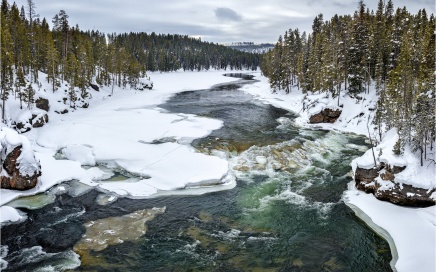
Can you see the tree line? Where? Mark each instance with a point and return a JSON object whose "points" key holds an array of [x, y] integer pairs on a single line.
{"points": [[392, 49], [168, 52], [66, 53]]}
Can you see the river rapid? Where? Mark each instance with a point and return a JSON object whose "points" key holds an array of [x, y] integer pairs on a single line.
{"points": [[285, 214]]}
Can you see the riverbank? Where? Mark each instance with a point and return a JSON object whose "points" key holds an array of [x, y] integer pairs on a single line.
{"points": [[413, 230], [140, 134]]}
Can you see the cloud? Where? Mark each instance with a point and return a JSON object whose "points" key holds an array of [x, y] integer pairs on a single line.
{"points": [[262, 22], [227, 14]]}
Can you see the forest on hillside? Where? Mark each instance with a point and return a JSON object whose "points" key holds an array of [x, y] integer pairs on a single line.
{"points": [[66, 53], [391, 49]]}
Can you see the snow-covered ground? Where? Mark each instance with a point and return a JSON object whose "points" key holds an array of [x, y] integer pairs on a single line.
{"points": [[410, 231], [118, 132]]}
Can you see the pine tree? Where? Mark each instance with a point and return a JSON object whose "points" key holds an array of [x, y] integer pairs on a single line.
{"points": [[29, 95]]}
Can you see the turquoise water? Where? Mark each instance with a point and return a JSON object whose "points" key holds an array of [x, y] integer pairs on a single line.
{"points": [[283, 215]]}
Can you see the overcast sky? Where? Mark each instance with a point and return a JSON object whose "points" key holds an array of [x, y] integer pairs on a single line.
{"points": [[215, 21]]}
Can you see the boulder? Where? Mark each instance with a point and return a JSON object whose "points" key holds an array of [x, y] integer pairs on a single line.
{"points": [[62, 111], [39, 121], [94, 86], [42, 103], [316, 118], [368, 180], [325, 116], [14, 179]]}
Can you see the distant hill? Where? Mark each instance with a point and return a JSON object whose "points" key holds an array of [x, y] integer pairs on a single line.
{"points": [[251, 47]]}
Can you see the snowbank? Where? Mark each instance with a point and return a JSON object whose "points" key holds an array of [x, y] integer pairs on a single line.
{"points": [[414, 174], [412, 230], [9, 215], [126, 130]]}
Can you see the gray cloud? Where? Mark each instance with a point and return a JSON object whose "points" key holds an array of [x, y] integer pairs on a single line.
{"points": [[227, 14], [262, 21]]}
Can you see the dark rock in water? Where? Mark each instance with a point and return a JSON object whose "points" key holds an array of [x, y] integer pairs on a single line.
{"points": [[39, 121], [42, 103], [325, 116], [62, 236], [15, 180], [400, 194], [94, 86]]}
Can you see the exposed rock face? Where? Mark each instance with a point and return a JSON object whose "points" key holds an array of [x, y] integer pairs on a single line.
{"points": [[16, 180], [62, 112], [37, 120], [368, 180], [94, 86], [325, 116], [42, 103]]}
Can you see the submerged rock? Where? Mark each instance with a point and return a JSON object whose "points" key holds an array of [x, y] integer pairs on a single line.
{"points": [[380, 181], [115, 230]]}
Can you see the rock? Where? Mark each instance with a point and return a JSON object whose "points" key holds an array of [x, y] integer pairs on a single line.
{"points": [[62, 236], [23, 127], [259, 167], [406, 195], [62, 112], [94, 86], [400, 194], [42, 103], [15, 180], [242, 168], [39, 121], [325, 116], [316, 118]]}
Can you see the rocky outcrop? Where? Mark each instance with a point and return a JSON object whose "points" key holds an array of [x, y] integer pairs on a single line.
{"points": [[325, 116], [42, 103], [39, 120], [380, 181], [94, 86], [62, 111], [36, 120], [14, 179]]}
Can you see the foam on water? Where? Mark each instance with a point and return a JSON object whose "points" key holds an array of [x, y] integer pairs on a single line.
{"points": [[36, 259], [3, 254], [294, 166]]}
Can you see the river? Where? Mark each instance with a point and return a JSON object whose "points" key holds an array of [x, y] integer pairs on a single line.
{"points": [[285, 214]]}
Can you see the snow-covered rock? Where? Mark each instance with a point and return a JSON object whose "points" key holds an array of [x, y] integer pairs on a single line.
{"points": [[396, 178], [20, 170]]}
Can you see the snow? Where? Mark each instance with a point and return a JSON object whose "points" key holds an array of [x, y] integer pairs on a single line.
{"points": [[10, 139], [413, 230], [120, 131], [410, 231], [9, 214], [414, 174]]}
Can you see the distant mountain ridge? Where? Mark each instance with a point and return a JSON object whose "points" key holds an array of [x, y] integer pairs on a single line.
{"points": [[250, 47]]}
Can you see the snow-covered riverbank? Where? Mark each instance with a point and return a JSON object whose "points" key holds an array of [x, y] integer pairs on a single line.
{"points": [[126, 132], [413, 230]]}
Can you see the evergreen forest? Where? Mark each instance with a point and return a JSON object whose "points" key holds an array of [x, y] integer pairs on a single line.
{"points": [[390, 50], [66, 53]]}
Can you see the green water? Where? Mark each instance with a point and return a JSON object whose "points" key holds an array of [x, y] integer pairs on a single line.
{"points": [[284, 215]]}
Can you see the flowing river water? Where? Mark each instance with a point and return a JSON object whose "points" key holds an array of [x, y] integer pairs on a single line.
{"points": [[285, 214]]}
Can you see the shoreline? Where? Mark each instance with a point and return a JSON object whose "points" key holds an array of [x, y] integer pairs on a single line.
{"points": [[376, 228], [384, 218]]}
